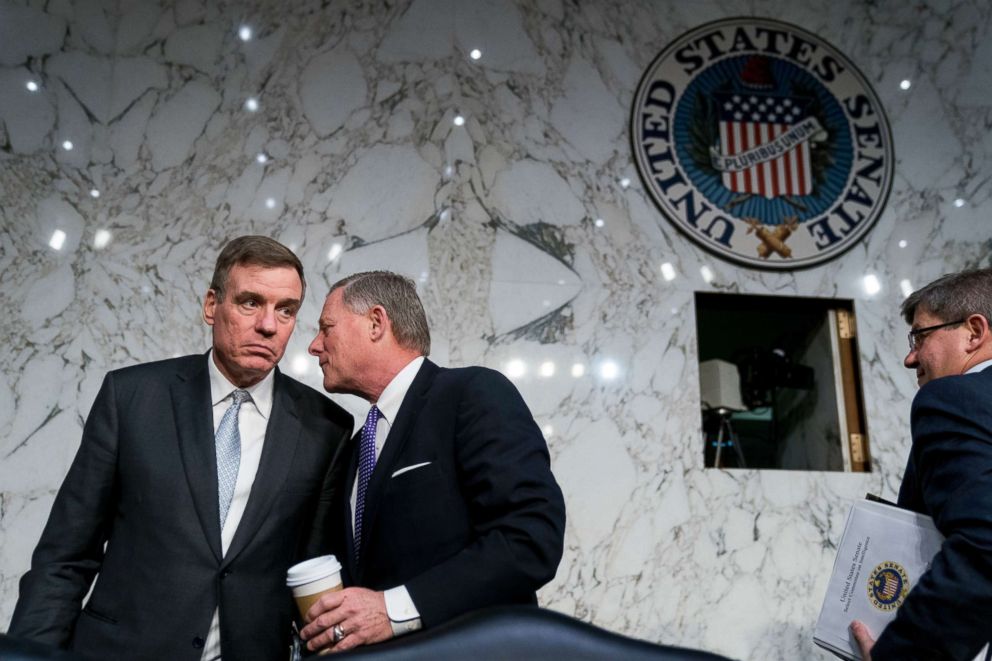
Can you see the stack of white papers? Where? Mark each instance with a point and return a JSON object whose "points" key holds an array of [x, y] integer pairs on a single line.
{"points": [[882, 554]]}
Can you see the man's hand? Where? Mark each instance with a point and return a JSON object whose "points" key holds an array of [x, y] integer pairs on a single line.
{"points": [[360, 613], [863, 638]]}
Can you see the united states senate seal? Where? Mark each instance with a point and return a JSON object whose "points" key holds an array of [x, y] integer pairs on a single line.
{"points": [[888, 586], [763, 143]]}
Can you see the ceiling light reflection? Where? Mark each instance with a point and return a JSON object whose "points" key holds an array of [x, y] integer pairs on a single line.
{"points": [[270, 202], [609, 370], [67, 145], [547, 369], [547, 430], [903, 243], [907, 287], [57, 240], [515, 368], [959, 202], [624, 182], [707, 273], [668, 271], [251, 104], [905, 84], [335, 252], [578, 370], [301, 364], [459, 120], [94, 193], [599, 222], [244, 33], [871, 284], [32, 86], [262, 158], [475, 54], [101, 239]]}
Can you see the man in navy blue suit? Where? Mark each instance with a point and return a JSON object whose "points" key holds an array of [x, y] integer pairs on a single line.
{"points": [[948, 614], [446, 502]]}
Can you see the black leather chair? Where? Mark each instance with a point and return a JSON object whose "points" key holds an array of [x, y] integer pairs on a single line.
{"points": [[513, 633], [522, 633]]}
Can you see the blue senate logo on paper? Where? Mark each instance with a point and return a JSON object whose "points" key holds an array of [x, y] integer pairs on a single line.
{"points": [[762, 143]]}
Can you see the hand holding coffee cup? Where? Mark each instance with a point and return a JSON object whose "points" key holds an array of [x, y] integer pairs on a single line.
{"points": [[311, 579]]}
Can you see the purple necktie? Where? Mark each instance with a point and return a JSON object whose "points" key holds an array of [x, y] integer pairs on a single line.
{"points": [[366, 462]]}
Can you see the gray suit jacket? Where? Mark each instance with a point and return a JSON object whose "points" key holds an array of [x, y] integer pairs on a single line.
{"points": [[144, 483]]}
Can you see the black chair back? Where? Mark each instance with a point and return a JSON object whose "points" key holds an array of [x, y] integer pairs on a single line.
{"points": [[522, 633]]}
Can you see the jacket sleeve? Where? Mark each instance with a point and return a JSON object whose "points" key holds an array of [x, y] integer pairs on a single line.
{"points": [[517, 508], [70, 551], [947, 615], [323, 537]]}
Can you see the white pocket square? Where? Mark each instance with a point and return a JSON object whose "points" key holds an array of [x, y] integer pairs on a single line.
{"points": [[407, 469]]}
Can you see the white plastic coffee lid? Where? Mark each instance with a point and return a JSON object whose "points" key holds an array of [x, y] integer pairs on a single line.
{"points": [[312, 570]]}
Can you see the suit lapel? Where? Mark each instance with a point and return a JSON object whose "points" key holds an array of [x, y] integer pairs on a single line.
{"points": [[282, 433], [399, 434], [350, 456], [194, 426]]}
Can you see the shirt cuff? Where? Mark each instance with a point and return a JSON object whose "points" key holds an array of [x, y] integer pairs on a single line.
{"points": [[403, 615]]}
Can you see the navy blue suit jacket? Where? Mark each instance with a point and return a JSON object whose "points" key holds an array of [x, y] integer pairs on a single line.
{"points": [[144, 482], [948, 614], [482, 523]]}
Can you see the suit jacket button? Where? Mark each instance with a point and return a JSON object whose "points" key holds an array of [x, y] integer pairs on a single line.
{"points": [[225, 573], [198, 643]]}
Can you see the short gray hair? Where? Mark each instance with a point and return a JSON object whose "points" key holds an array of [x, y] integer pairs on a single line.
{"points": [[953, 296], [398, 295]]}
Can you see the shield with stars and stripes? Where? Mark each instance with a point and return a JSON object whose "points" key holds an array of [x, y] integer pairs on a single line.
{"points": [[764, 149]]}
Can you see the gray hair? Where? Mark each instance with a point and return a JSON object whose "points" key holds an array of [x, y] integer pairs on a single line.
{"points": [[953, 296], [398, 295]]}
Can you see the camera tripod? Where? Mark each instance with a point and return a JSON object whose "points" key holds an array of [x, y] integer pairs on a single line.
{"points": [[727, 436]]}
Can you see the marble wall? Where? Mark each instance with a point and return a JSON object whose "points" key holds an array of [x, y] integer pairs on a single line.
{"points": [[332, 127]]}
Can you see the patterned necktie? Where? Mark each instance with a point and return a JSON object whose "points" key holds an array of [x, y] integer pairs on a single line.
{"points": [[366, 462], [228, 446]]}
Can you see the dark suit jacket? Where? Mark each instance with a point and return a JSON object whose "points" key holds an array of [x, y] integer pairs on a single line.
{"points": [[482, 524], [145, 483], [948, 614]]}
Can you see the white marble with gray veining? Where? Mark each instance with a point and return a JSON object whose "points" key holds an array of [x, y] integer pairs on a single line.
{"points": [[531, 255]]}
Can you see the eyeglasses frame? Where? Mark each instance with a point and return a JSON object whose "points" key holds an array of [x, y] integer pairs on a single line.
{"points": [[916, 336]]}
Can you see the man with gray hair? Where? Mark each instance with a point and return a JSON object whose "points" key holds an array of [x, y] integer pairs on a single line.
{"points": [[446, 502], [948, 614]]}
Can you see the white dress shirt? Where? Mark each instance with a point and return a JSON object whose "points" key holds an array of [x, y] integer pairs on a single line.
{"points": [[253, 418], [403, 614], [979, 367]]}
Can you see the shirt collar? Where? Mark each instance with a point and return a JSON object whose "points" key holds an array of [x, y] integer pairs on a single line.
{"points": [[392, 396], [980, 366], [221, 388]]}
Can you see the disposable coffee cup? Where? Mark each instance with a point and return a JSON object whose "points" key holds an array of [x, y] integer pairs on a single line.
{"points": [[312, 578]]}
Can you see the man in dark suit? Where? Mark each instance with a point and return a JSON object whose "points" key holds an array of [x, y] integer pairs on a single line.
{"points": [[448, 503], [948, 613], [193, 490]]}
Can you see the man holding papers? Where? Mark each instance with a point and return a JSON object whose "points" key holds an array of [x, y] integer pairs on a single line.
{"points": [[948, 614]]}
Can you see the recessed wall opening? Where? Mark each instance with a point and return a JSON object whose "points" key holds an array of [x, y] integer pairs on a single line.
{"points": [[780, 384]]}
